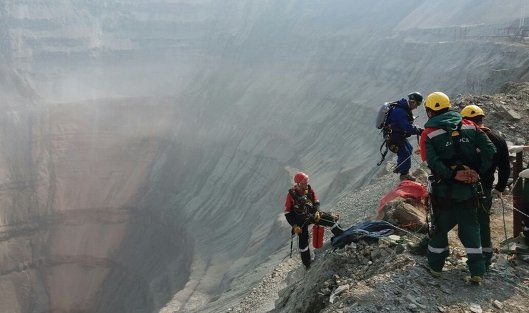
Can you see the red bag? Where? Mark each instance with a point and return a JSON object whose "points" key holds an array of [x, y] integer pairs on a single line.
{"points": [[317, 236], [406, 189]]}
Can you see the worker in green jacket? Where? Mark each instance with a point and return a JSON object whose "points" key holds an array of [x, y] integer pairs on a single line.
{"points": [[501, 162], [450, 146]]}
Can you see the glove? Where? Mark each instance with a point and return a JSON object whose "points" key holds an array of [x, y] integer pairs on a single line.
{"points": [[317, 217], [296, 229], [467, 176], [419, 130], [497, 193], [516, 149]]}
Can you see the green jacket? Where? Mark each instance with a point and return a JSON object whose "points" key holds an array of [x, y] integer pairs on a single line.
{"points": [[445, 150]]}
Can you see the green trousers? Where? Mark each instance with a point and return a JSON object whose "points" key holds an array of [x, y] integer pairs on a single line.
{"points": [[484, 227], [468, 232]]}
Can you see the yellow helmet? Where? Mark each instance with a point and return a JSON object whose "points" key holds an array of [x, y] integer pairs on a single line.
{"points": [[472, 111], [437, 101]]}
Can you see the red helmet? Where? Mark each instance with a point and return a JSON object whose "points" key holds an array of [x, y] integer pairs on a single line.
{"points": [[301, 177]]}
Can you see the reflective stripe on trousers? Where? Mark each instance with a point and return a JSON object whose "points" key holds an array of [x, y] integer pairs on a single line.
{"points": [[468, 232], [437, 250], [474, 250]]}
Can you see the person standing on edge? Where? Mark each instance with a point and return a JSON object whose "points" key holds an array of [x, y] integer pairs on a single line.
{"points": [[450, 146], [500, 162], [400, 122], [301, 209]]}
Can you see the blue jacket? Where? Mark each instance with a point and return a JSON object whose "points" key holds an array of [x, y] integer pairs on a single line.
{"points": [[400, 119]]}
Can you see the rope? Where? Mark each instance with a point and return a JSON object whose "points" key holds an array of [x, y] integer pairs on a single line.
{"points": [[397, 165], [514, 185], [411, 155], [406, 159], [503, 213], [504, 272], [522, 213], [402, 229]]}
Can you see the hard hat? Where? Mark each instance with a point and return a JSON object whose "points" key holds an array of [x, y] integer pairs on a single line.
{"points": [[415, 96], [437, 101], [301, 177], [472, 111]]}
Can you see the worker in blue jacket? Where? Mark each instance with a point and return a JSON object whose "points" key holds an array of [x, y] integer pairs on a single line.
{"points": [[400, 121]]}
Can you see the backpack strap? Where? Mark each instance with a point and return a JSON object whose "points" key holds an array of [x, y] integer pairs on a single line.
{"points": [[392, 105], [383, 154]]}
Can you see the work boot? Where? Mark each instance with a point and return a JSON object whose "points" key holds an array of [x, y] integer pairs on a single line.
{"points": [[306, 259], [407, 177], [420, 248], [488, 263], [475, 279], [434, 273]]}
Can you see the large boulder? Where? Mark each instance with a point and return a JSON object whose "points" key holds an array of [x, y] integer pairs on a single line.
{"points": [[406, 213]]}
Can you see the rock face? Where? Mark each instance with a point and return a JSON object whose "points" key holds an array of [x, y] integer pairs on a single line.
{"points": [[71, 219], [147, 147]]}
